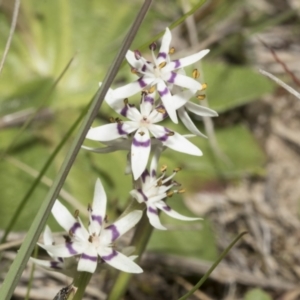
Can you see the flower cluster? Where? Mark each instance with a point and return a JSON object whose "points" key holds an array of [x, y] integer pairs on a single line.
{"points": [[166, 92]]}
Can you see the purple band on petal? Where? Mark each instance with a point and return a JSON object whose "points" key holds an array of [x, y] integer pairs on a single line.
{"points": [[75, 227], [167, 208], [149, 99], [144, 175], [176, 63], [143, 195], [98, 219], [89, 257], [60, 259], [145, 144], [164, 137], [164, 92], [172, 78], [165, 114], [124, 111], [144, 67], [152, 210], [162, 54], [120, 129], [114, 231], [141, 82], [71, 249], [110, 256], [153, 173], [55, 265]]}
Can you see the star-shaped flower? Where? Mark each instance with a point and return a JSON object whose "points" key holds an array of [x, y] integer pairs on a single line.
{"points": [[154, 191], [142, 123], [98, 240], [162, 72], [66, 266]]}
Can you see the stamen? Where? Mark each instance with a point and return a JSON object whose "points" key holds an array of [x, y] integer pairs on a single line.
{"points": [[134, 71], [177, 170], [161, 110], [170, 194], [163, 168], [90, 207], [152, 89], [126, 101], [196, 74], [76, 213], [141, 133], [171, 133], [118, 120], [200, 97], [181, 191], [159, 182], [162, 64], [112, 120], [172, 50], [204, 87], [137, 54], [90, 239], [106, 219], [152, 46], [71, 233]]}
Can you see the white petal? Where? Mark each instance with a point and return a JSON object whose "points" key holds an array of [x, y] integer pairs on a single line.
{"points": [[48, 239], [167, 100], [176, 141], [65, 219], [132, 88], [53, 265], [165, 46], [140, 150], [135, 63], [200, 110], [153, 217], [120, 227], [186, 61], [138, 195], [110, 132], [186, 120], [147, 104], [182, 98], [88, 260], [65, 250], [98, 208], [182, 80], [172, 213], [119, 260]]}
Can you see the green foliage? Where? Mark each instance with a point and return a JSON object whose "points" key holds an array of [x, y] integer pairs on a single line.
{"points": [[257, 294]]}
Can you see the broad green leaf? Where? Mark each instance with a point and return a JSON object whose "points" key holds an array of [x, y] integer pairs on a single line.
{"points": [[257, 294], [231, 86]]}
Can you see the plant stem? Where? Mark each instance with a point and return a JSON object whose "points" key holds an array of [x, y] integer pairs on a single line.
{"points": [[139, 241], [39, 222], [81, 281]]}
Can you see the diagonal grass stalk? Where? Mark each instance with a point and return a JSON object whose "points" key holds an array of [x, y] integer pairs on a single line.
{"points": [[39, 222]]}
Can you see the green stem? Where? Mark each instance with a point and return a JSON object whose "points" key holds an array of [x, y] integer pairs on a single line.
{"points": [[139, 241], [81, 281], [17, 267]]}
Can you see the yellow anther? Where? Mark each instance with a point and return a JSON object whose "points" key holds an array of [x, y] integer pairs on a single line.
{"points": [[162, 64], [126, 101], [177, 170], [170, 193], [71, 234], [204, 87], [118, 120], [152, 89], [171, 133], [200, 97], [181, 191], [172, 50], [76, 213], [161, 110], [163, 168], [159, 182], [134, 71], [112, 120], [196, 74], [141, 133]]}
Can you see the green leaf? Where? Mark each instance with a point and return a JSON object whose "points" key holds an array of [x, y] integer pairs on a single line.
{"points": [[257, 294], [231, 86]]}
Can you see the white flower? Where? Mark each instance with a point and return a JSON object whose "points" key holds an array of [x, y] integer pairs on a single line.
{"points": [[98, 240], [199, 110], [162, 72], [142, 123], [66, 266], [153, 192]]}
